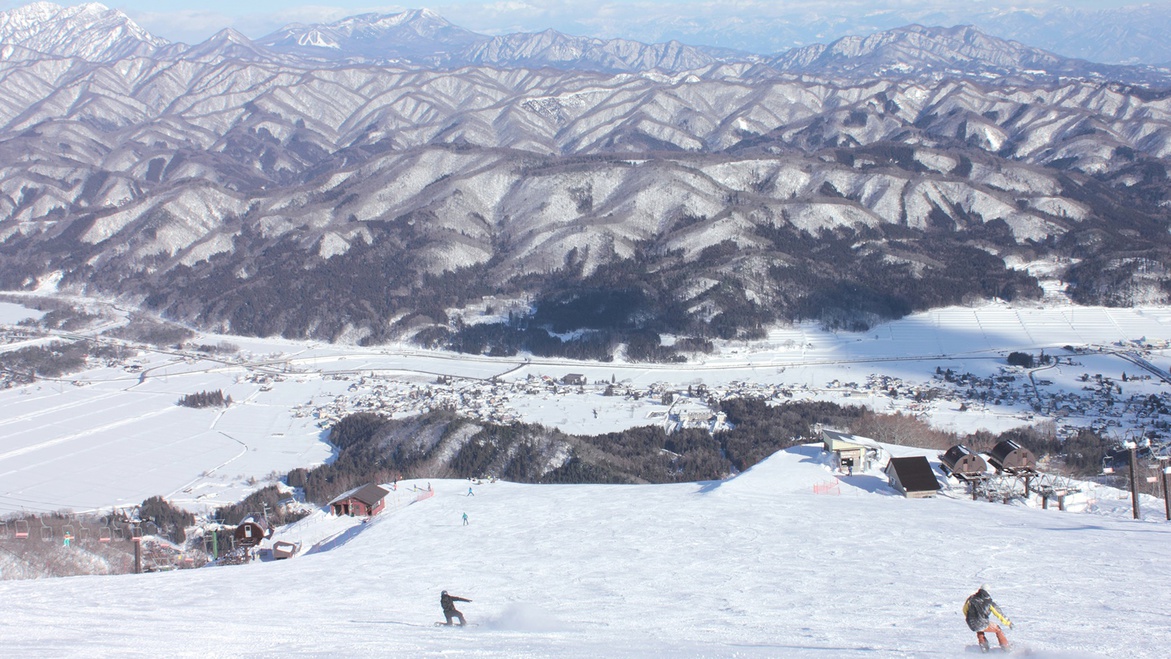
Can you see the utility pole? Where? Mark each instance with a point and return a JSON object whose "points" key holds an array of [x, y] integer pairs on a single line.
{"points": [[1133, 447], [215, 538]]}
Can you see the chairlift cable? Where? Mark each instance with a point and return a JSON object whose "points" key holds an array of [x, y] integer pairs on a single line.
{"points": [[59, 506]]}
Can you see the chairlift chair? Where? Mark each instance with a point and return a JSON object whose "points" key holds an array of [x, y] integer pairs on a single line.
{"points": [[105, 533], [5, 531], [46, 531], [119, 532], [84, 536], [68, 533], [21, 529]]}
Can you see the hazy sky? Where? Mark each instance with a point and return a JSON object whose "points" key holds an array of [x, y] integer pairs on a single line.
{"points": [[695, 21]]}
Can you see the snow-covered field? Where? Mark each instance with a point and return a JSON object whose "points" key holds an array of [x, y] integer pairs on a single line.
{"points": [[11, 314], [113, 435], [757, 566]]}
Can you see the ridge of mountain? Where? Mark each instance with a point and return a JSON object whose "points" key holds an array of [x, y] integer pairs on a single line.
{"points": [[90, 31], [960, 51], [418, 35], [422, 38]]}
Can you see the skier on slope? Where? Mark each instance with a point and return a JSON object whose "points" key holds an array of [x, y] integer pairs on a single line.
{"points": [[449, 610], [978, 611]]}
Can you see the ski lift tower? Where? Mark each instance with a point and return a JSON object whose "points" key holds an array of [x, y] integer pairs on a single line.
{"points": [[1164, 468], [1132, 447]]}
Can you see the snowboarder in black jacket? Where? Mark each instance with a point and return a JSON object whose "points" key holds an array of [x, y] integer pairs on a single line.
{"points": [[978, 611], [449, 610]]}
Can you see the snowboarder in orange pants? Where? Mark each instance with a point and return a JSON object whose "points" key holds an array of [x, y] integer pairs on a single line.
{"points": [[978, 611]]}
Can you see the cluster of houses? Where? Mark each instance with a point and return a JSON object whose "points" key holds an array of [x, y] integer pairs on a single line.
{"points": [[477, 399], [1104, 402], [489, 400], [1099, 406]]}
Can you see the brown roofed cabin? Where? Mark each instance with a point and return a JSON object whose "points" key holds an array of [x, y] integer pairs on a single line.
{"points": [[1012, 458], [251, 531], [959, 461], [912, 476], [574, 379], [365, 501]]}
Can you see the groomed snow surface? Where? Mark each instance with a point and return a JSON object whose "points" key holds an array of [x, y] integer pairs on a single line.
{"points": [[756, 566]]}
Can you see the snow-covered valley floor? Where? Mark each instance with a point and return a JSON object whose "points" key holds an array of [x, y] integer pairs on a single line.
{"points": [[112, 434], [756, 566]]}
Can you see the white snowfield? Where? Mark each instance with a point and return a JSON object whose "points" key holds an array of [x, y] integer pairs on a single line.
{"points": [[757, 566]]}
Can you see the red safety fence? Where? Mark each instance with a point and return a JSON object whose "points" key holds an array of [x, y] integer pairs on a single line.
{"points": [[830, 487], [422, 496]]}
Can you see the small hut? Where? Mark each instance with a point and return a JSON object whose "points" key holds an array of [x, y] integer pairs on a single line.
{"points": [[849, 451], [364, 501], [577, 379], [912, 476], [284, 549], [1010, 458], [252, 531], [961, 463]]}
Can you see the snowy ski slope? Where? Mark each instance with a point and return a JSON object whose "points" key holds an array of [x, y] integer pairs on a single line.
{"points": [[758, 566]]}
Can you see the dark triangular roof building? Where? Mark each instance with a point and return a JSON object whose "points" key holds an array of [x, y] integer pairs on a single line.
{"points": [[912, 476]]}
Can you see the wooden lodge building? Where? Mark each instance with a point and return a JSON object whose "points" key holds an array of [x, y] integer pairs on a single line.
{"points": [[912, 476], [364, 501]]}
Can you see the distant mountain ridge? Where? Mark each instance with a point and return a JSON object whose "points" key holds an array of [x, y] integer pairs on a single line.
{"points": [[90, 31], [419, 35], [960, 51], [424, 38]]}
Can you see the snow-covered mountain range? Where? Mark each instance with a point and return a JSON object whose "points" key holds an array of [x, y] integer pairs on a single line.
{"points": [[248, 185], [953, 52], [421, 37], [1116, 33]]}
